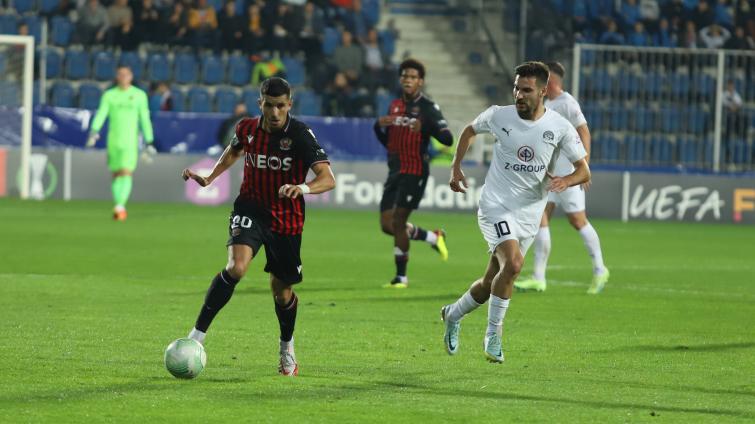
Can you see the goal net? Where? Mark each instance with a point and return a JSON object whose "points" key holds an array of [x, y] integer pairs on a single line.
{"points": [[16, 75]]}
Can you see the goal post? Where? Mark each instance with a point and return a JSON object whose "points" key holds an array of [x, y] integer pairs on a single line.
{"points": [[16, 82]]}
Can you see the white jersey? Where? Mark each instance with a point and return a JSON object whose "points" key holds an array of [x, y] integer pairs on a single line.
{"points": [[523, 151], [568, 107]]}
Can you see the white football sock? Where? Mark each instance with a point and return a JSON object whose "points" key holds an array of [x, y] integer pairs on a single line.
{"points": [[431, 238], [287, 346], [461, 307], [197, 335], [542, 251], [496, 312], [592, 244]]}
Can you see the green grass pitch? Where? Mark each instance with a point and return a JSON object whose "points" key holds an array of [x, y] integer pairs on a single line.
{"points": [[88, 306]]}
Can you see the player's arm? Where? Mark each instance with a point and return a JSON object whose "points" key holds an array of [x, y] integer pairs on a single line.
{"points": [[458, 180], [580, 175], [584, 135], [324, 181], [144, 119], [99, 120], [381, 132], [230, 155], [438, 127]]}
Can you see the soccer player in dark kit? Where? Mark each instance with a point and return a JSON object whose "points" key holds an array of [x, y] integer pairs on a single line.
{"points": [[278, 151], [405, 132]]}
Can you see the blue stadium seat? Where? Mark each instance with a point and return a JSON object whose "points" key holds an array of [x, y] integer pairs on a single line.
{"points": [[387, 42], [213, 70], [635, 149], [133, 61], [35, 27], [199, 100], [670, 120], [704, 85], [186, 68], [601, 82], [680, 85], [740, 151], [158, 67], [61, 31], [8, 24], [588, 58], [10, 93], [77, 64], [250, 97], [639, 118], [239, 70], [661, 149], [294, 71], [331, 40], [629, 84], [371, 12], [89, 96], [687, 149], [225, 99], [594, 117], [154, 102], [23, 6], [654, 84], [104, 66], [611, 147], [618, 118], [179, 99], [62, 94], [53, 63], [3, 63], [47, 6], [308, 103]]}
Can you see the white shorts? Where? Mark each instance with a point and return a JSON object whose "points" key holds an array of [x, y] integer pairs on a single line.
{"points": [[499, 225], [571, 200]]}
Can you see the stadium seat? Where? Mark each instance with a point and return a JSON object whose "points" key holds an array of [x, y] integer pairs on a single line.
{"points": [[179, 99], [133, 61], [77, 64], [239, 70], [213, 70], [331, 40], [661, 149], [638, 118], [8, 24], [680, 85], [24, 6], [687, 149], [53, 63], [740, 151], [62, 29], [629, 84], [387, 42], [670, 120], [62, 94], [612, 146], [89, 96], [154, 102], [225, 99], [47, 6], [104, 66], [371, 12], [294, 71], [654, 84], [10, 94], [34, 23], [618, 118], [601, 82], [186, 68], [158, 67], [199, 100], [250, 97], [704, 85], [308, 103], [635, 146]]}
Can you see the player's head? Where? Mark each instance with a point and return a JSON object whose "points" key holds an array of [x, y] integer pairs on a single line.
{"points": [[411, 76], [124, 76], [530, 86], [556, 77], [275, 102]]}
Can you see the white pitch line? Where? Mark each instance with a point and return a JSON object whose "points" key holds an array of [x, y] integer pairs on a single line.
{"points": [[645, 288]]}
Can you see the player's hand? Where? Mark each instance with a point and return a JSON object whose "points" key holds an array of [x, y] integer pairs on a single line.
{"points": [[557, 184], [149, 153], [202, 181], [289, 190], [415, 125], [385, 121], [458, 180], [92, 139]]}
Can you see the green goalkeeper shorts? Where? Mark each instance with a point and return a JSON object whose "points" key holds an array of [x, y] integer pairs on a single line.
{"points": [[122, 158]]}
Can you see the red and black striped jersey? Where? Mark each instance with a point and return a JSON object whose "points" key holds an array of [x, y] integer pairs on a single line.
{"points": [[407, 149], [272, 160]]}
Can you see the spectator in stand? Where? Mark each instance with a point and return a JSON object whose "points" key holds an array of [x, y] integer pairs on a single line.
{"points": [[377, 68], [745, 17], [348, 58], [740, 41], [121, 18], [125, 37], [176, 23], [674, 10], [147, 22], [689, 36], [338, 99], [203, 22], [579, 14], [354, 21], [63, 8], [92, 23], [638, 37], [650, 12], [310, 36], [228, 126], [714, 36], [664, 37], [231, 28], [630, 14], [162, 92], [703, 15], [734, 126], [255, 31], [611, 35], [724, 14]]}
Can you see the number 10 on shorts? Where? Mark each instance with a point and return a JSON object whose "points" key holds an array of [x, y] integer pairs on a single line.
{"points": [[502, 228]]}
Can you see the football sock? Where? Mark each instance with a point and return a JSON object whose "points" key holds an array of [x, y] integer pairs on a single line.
{"points": [[496, 312], [401, 258], [592, 244], [464, 305], [419, 233], [121, 188], [287, 318], [431, 237], [542, 251], [218, 295], [197, 335], [287, 346]]}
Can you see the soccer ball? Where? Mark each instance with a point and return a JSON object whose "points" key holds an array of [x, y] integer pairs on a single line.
{"points": [[185, 358]]}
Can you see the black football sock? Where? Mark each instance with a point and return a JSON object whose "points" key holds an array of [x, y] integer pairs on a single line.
{"points": [[418, 234], [401, 261], [287, 318], [218, 295]]}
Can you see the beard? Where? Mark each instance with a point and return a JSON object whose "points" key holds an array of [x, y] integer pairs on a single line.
{"points": [[524, 113]]}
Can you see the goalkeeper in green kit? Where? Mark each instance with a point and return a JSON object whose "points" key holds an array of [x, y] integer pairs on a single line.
{"points": [[125, 106]]}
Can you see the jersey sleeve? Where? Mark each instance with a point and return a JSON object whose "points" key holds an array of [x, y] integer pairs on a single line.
{"points": [[482, 124], [144, 119], [311, 150], [575, 115], [240, 132], [102, 112], [437, 126], [571, 146]]}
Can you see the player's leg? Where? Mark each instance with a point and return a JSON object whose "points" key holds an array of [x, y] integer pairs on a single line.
{"points": [[400, 246], [590, 238], [222, 287], [121, 163], [542, 252], [510, 255], [410, 195]]}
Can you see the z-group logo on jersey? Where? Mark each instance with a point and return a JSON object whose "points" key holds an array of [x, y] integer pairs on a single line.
{"points": [[525, 153], [548, 136]]}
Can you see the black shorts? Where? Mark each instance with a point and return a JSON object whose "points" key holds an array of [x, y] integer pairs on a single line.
{"points": [[403, 191], [281, 251]]}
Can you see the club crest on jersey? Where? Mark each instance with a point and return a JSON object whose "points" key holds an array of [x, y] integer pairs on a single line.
{"points": [[525, 153], [286, 143], [548, 136], [249, 139], [415, 110]]}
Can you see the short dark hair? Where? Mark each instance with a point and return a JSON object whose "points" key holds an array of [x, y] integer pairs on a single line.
{"points": [[534, 69], [556, 68], [412, 64], [274, 87]]}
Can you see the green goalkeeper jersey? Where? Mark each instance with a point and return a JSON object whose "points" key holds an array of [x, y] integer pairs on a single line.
{"points": [[124, 109]]}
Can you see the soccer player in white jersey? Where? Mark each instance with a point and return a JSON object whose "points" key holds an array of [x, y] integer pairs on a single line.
{"points": [[529, 139], [571, 200]]}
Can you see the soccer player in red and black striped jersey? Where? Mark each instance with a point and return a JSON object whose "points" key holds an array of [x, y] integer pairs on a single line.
{"points": [[278, 152], [405, 132]]}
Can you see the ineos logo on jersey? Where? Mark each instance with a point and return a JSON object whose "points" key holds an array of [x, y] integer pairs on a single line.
{"points": [[525, 153], [404, 121], [268, 162]]}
